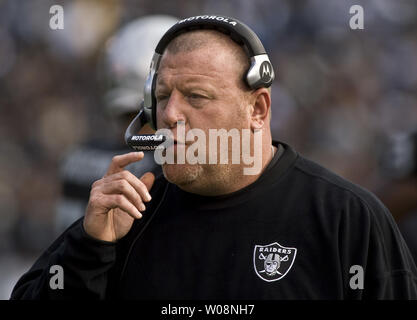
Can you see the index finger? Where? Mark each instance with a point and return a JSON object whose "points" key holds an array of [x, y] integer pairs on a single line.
{"points": [[119, 162]]}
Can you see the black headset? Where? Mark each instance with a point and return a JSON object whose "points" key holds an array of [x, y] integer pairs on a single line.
{"points": [[260, 73]]}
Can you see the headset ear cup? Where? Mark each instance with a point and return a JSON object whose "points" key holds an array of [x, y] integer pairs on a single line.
{"points": [[260, 73]]}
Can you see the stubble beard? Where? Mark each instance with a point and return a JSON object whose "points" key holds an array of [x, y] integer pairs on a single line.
{"points": [[207, 180], [182, 174]]}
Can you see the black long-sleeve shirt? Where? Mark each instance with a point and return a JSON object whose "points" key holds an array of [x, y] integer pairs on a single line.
{"points": [[295, 233]]}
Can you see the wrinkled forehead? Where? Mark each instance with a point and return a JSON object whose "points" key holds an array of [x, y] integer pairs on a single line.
{"points": [[197, 61], [205, 52]]}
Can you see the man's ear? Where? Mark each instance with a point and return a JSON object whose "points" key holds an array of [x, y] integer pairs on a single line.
{"points": [[261, 99]]}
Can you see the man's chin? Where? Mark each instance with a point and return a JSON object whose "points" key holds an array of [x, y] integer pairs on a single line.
{"points": [[182, 174]]}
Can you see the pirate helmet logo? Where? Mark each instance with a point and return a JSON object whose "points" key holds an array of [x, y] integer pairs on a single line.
{"points": [[273, 261]]}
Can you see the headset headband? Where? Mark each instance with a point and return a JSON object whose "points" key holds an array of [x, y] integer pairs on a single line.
{"points": [[237, 30]]}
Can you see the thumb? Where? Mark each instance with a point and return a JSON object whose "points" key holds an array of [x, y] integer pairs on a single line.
{"points": [[148, 179]]}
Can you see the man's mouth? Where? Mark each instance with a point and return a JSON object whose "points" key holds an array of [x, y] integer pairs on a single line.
{"points": [[176, 144]]}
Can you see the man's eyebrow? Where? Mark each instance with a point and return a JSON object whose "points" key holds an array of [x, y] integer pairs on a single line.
{"points": [[160, 85], [160, 81]]}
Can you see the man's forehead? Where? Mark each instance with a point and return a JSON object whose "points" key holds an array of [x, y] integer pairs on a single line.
{"points": [[200, 63], [206, 51]]}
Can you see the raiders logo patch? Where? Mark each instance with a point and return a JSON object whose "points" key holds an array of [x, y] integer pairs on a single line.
{"points": [[273, 261]]}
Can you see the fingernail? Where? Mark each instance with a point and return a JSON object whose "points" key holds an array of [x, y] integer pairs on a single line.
{"points": [[148, 197], [142, 207]]}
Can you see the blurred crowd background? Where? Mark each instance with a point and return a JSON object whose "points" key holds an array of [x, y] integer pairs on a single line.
{"points": [[341, 97]]}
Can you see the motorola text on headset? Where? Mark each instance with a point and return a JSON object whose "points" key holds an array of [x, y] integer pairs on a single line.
{"points": [[260, 73]]}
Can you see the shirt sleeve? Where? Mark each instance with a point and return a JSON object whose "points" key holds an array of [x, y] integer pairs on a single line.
{"points": [[370, 238], [85, 262]]}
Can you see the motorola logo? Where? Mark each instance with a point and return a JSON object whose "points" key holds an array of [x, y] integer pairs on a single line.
{"points": [[265, 71]]}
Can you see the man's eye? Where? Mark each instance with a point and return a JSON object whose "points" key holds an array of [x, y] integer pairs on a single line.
{"points": [[161, 97], [196, 96]]}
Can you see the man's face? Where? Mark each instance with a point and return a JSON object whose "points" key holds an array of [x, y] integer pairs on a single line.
{"points": [[202, 88], [271, 266]]}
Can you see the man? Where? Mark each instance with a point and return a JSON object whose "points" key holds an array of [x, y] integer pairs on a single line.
{"points": [[206, 231]]}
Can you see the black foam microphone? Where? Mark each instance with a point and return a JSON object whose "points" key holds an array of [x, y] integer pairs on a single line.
{"points": [[141, 142]]}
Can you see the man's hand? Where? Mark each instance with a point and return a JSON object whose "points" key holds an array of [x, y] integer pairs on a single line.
{"points": [[117, 199]]}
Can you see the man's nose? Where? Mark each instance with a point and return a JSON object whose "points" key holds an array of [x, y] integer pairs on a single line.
{"points": [[173, 111]]}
